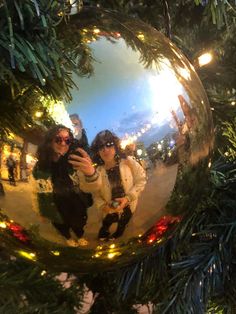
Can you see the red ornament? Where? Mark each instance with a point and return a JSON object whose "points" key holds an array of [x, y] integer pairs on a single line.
{"points": [[163, 224], [18, 232], [15, 227]]}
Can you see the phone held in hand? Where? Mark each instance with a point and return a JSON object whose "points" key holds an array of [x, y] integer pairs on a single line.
{"points": [[73, 148], [114, 204]]}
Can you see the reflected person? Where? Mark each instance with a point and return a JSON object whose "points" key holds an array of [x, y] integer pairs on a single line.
{"points": [[79, 131], [11, 167], [59, 199], [122, 179]]}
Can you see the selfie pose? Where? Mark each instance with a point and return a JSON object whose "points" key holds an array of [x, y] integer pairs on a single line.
{"points": [[59, 197]]}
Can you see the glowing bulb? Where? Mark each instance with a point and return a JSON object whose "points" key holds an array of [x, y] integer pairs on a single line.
{"points": [[96, 31], [43, 272], [56, 253], [112, 246], [204, 59], [139, 152], [11, 135], [28, 255], [38, 114], [141, 36], [111, 255], [3, 225], [233, 103]]}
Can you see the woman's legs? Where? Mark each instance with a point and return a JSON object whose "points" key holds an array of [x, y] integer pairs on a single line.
{"points": [[106, 223], [63, 229], [122, 223]]}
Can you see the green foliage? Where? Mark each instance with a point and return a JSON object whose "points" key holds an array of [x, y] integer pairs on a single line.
{"points": [[29, 45], [229, 131], [25, 290], [33, 60], [192, 272]]}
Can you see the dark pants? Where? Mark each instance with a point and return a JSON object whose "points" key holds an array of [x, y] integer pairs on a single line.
{"points": [[122, 220], [64, 230], [73, 213], [11, 175]]}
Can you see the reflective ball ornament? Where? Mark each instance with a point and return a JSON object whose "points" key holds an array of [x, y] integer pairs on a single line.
{"points": [[140, 90]]}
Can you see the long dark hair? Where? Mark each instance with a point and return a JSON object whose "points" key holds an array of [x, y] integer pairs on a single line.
{"points": [[102, 138], [45, 151]]}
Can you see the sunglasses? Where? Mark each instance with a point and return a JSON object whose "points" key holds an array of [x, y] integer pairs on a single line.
{"points": [[107, 145], [59, 140]]}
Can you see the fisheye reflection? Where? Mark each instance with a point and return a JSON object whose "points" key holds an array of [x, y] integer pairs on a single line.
{"points": [[106, 166]]}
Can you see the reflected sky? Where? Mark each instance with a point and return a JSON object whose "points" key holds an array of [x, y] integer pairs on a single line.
{"points": [[125, 97]]}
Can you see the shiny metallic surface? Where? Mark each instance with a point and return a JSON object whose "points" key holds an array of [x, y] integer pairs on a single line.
{"points": [[140, 87]]}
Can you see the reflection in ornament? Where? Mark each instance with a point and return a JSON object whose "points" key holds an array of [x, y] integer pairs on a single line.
{"points": [[133, 82]]}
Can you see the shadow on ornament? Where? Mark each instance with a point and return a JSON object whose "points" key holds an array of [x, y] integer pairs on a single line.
{"points": [[133, 82]]}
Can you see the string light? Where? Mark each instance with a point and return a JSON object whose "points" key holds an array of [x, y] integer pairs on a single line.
{"points": [[97, 254], [96, 31], [3, 225], [31, 255], [56, 253], [141, 36], [38, 114], [204, 59]]}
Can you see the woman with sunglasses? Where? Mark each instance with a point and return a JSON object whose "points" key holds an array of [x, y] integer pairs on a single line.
{"points": [[121, 181], [59, 199]]}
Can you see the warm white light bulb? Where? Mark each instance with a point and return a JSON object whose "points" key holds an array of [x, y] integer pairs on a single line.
{"points": [[204, 59]]}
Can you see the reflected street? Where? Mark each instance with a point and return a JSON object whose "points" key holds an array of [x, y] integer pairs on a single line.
{"points": [[150, 208]]}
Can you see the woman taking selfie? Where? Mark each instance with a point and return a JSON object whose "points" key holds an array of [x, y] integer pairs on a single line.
{"points": [[60, 198]]}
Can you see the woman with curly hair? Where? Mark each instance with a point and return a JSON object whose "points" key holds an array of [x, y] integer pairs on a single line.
{"points": [[59, 197], [121, 179]]}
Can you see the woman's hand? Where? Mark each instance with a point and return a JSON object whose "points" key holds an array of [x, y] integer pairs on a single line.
{"points": [[123, 202], [108, 210], [82, 163]]}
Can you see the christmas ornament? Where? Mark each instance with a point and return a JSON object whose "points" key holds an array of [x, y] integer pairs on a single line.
{"points": [[142, 115]]}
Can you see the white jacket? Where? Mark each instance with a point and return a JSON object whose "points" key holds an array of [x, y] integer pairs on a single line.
{"points": [[133, 178]]}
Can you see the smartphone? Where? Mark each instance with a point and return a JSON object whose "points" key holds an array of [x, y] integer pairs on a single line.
{"points": [[73, 148], [114, 204]]}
